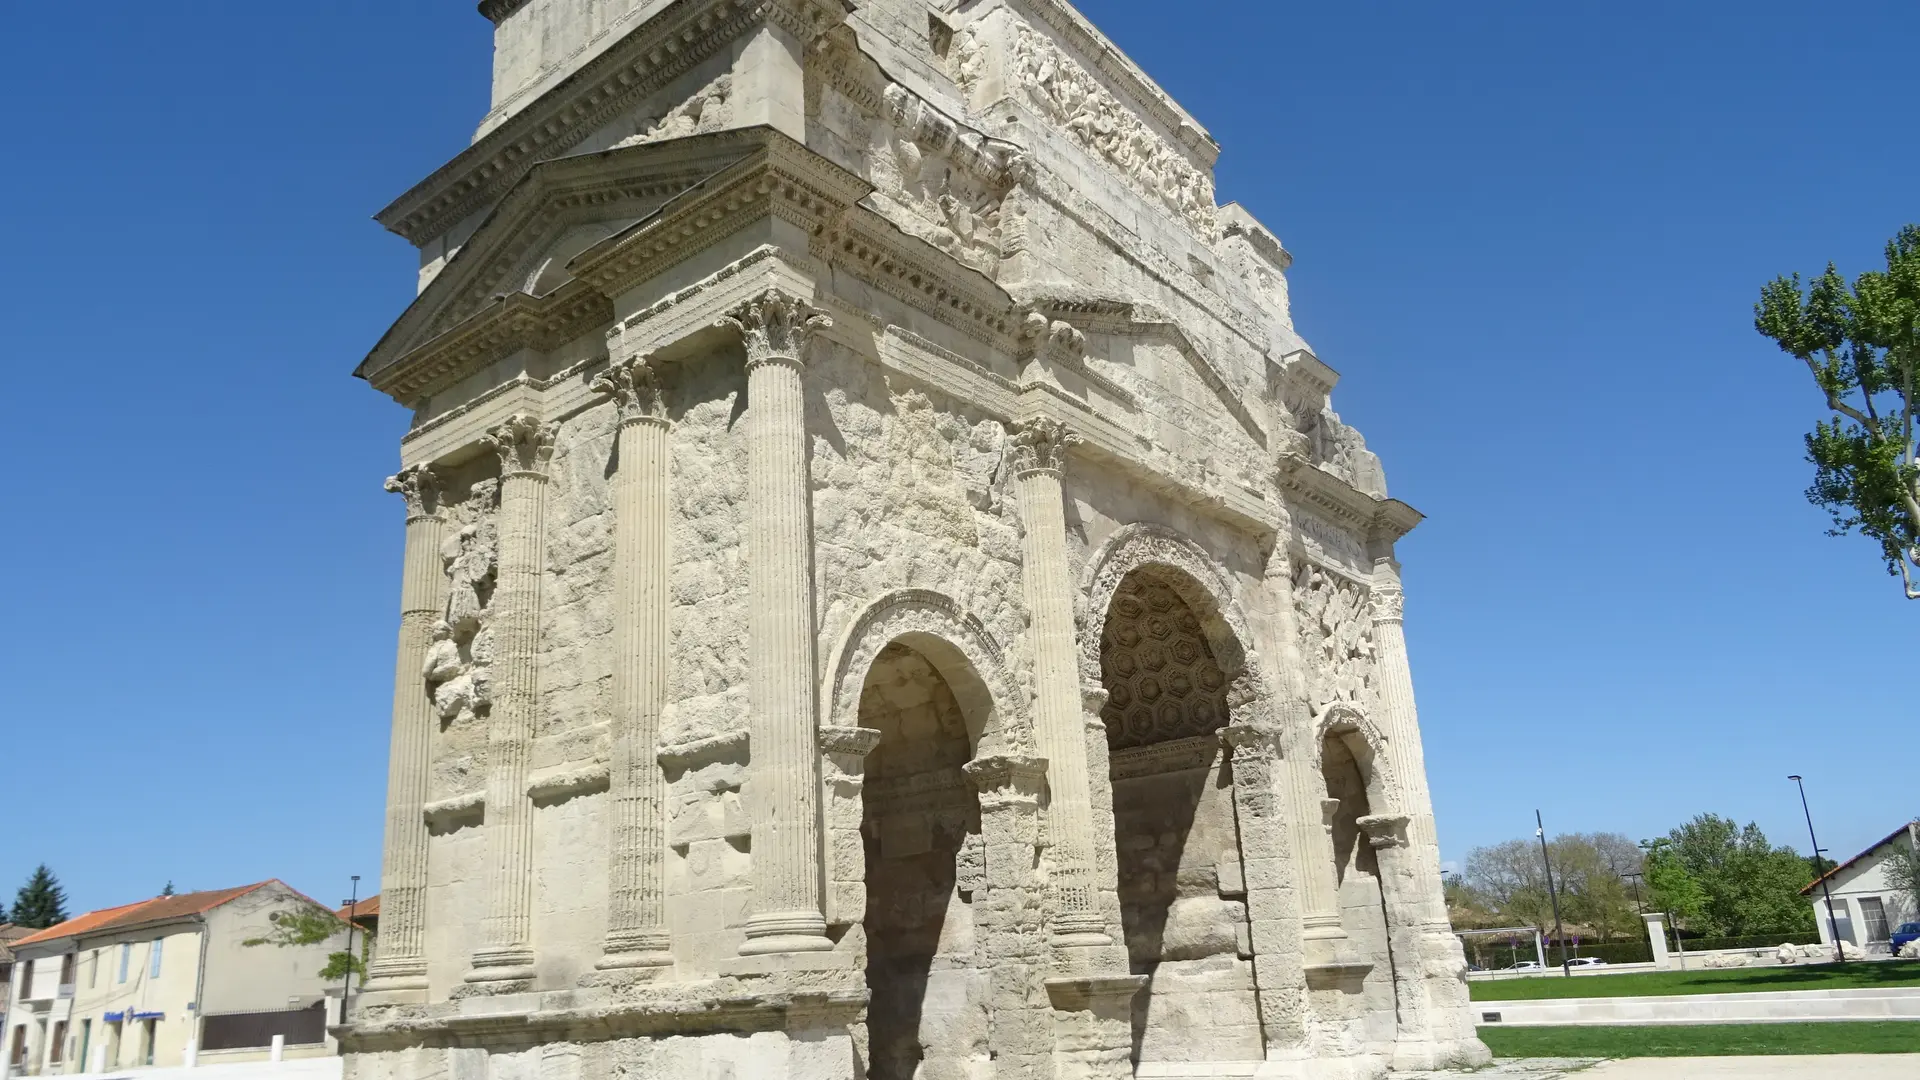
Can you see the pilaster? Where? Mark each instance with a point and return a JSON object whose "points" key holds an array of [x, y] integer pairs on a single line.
{"points": [[401, 967], [1304, 785], [1437, 952], [1039, 451], [504, 961], [1273, 902], [1009, 913], [776, 329], [637, 936]]}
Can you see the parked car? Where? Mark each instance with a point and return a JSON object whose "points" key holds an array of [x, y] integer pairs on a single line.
{"points": [[1586, 961], [1907, 932], [1526, 965]]}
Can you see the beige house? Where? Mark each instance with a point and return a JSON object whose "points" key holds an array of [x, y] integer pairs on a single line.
{"points": [[1867, 907], [168, 981]]}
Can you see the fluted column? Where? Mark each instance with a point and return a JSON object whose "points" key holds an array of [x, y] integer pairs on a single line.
{"points": [[402, 961], [1305, 787], [1039, 452], [1273, 901], [785, 778], [504, 960], [637, 842], [1446, 1022]]}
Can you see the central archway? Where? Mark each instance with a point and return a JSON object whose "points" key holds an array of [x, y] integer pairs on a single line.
{"points": [[1174, 669]]}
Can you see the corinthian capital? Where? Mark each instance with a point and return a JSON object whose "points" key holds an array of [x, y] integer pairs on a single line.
{"points": [[634, 386], [523, 443], [776, 327], [421, 489], [1040, 444], [1388, 601]]}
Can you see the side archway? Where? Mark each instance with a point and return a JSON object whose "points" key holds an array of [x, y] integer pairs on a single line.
{"points": [[917, 688], [954, 641], [1350, 725]]}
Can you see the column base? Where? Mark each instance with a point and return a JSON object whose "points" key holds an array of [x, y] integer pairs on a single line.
{"points": [[507, 970], [785, 932], [625, 950], [396, 976]]}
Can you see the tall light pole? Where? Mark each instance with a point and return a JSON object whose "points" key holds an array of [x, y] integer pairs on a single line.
{"points": [[1635, 878], [1540, 830], [353, 909], [1833, 921]]}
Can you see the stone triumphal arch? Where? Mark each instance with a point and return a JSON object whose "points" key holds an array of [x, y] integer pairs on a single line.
{"points": [[886, 592]]}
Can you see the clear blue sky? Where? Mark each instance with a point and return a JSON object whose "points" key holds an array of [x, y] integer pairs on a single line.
{"points": [[1529, 236]]}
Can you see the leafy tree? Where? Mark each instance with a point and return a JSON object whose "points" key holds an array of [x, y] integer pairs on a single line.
{"points": [[1588, 868], [311, 924], [1862, 345], [1903, 876], [307, 924], [41, 902], [1747, 886], [1673, 890]]}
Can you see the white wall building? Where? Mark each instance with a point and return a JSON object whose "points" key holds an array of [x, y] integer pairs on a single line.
{"points": [[1866, 905], [166, 982]]}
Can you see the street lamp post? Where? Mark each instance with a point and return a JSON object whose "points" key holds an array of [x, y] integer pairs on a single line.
{"points": [[1833, 921], [1540, 830], [353, 909], [1635, 878]]}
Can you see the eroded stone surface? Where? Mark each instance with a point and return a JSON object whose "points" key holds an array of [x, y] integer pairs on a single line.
{"points": [[984, 660]]}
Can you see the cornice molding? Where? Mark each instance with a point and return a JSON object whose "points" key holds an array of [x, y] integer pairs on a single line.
{"points": [[669, 44], [496, 11]]}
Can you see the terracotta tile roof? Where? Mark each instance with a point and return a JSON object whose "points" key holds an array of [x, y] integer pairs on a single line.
{"points": [[365, 909], [1888, 839], [159, 909]]}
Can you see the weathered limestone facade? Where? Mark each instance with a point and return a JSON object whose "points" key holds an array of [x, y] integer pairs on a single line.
{"points": [[886, 592]]}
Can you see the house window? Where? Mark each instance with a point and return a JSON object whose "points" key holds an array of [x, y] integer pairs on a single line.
{"points": [[56, 1049], [126, 958], [1842, 921], [93, 969], [153, 958], [69, 967], [1874, 914]]}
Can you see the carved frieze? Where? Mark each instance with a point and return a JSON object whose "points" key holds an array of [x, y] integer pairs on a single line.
{"points": [[1336, 637], [1064, 92], [709, 108]]}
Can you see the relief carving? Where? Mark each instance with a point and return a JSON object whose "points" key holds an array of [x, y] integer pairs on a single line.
{"points": [[1336, 637], [955, 180], [461, 652], [709, 109], [1064, 92]]}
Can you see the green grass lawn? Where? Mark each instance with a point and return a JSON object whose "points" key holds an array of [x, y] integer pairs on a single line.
{"points": [[1731, 981], [1706, 1040]]}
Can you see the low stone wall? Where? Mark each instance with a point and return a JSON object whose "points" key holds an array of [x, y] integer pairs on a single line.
{"points": [[1890, 1003]]}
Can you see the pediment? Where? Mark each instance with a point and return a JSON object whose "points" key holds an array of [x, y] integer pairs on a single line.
{"points": [[561, 208]]}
